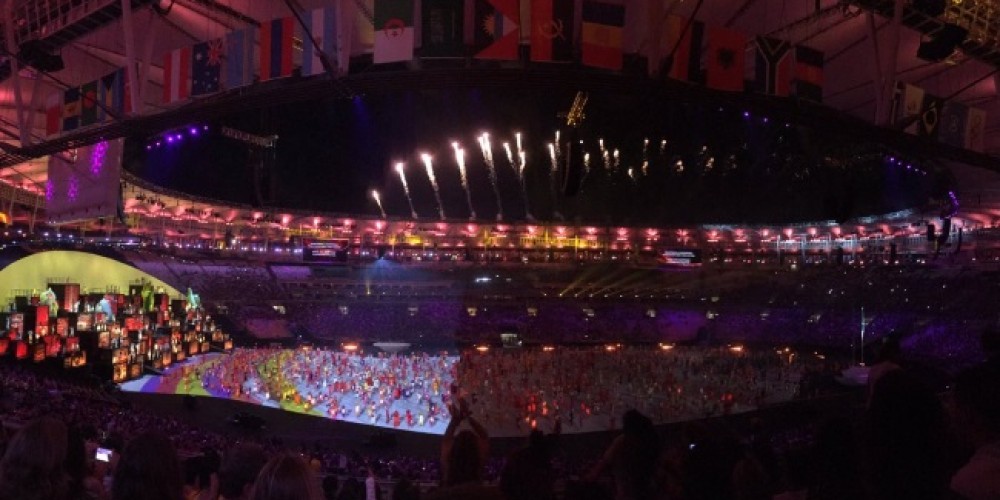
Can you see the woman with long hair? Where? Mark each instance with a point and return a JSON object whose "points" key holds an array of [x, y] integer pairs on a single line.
{"points": [[33, 466], [286, 477], [148, 470]]}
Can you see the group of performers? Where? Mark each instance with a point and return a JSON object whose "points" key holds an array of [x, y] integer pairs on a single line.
{"points": [[574, 389], [410, 391]]}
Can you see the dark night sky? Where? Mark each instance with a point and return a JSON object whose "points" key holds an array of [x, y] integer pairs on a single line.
{"points": [[332, 152]]}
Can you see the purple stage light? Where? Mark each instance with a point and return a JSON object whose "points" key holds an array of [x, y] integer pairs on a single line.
{"points": [[746, 114], [194, 131], [170, 139]]}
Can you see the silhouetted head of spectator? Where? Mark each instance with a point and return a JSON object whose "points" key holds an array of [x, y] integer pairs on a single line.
{"points": [[148, 470], [463, 463], [902, 404], [239, 470], [196, 472], [33, 465], [286, 477], [636, 424], [889, 351], [977, 404]]}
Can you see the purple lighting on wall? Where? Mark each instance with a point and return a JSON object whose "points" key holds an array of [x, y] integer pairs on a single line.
{"points": [[97, 158]]}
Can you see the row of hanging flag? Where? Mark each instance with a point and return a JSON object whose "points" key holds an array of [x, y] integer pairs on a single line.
{"points": [[930, 117], [688, 50]]}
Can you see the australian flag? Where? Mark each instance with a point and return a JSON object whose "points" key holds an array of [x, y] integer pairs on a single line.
{"points": [[206, 70]]}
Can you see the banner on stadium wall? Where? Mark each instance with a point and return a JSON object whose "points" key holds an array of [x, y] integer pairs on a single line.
{"points": [[84, 183]]}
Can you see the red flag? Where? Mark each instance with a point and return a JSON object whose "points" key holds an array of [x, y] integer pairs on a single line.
{"points": [[497, 29], [808, 73], [177, 75], [724, 59], [53, 114], [552, 30], [276, 48], [602, 34]]}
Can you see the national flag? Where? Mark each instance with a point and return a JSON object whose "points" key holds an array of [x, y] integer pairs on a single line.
{"points": [[111, 93], [808, 73], [908, 103], [322, 25], [975, 128], [443, 28], [71, 109], [918, 112], [90, 112], [394, 34], [954, 122], [497, 29], [601, 34], [723, 58], [770, 66], [238, 58], [276, 48], [53, 114], [683, 48], [206, 67], [930, 116], [552, 30], [177, 75]]}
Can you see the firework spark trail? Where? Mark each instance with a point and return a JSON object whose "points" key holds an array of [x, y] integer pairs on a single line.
{"points": [[378, 201], [406, 188], [510, 159], [558, 148], [487, 147], [605, 154], [429, 168], [663, 146], [645, 157], [460, 159], [617, 157]]}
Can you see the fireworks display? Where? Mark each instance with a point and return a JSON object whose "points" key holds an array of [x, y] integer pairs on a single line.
{"points": [[406, 188], [460, 160], [516, 156], [378, 201], [429, 168], [487, 148]]}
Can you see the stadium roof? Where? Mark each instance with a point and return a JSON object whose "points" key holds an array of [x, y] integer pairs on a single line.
{"points": [[861, 42]]}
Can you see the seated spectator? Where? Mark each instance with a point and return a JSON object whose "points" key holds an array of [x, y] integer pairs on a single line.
{"points": [[200, 482], [632, 457], [84, 481], [906, 439], [239, 469], [528, 473], [463, 457], [148, 470], [286, 477], [33, 465], [977, 416]]}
